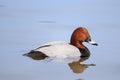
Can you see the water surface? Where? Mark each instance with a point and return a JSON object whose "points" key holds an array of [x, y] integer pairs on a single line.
{"points": [[25, 25]]}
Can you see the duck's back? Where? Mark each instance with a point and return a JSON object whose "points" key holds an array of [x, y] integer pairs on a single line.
{"points": [[58, 49]]}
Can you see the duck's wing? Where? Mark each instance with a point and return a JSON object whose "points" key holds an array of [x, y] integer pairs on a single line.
{"points": [[51, 44], [58, 48]]}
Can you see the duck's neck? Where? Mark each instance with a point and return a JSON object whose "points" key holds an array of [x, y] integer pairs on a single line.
{"points": [[84, 50], [78, 44]]}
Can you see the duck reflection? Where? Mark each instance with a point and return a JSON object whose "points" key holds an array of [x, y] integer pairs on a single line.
{"points": [[77, 67], [74, 63]]}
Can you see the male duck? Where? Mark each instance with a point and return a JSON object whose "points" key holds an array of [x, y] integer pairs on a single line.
{"points": [[63, 49]]}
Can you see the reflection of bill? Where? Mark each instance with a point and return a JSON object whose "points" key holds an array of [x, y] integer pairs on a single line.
{"points": [[77, 67]]}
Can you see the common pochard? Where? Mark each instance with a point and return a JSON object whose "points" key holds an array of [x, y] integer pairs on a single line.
{"points": [[64, 49]]}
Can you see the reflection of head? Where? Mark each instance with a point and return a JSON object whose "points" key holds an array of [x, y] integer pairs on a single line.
{"points": [[79, 68]]}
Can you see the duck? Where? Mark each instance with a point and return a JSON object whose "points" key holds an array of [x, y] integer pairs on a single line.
{"points": [[63, 49]]}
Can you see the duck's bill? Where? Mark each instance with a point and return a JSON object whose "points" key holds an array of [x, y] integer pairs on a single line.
{"points": [[93, 43]]}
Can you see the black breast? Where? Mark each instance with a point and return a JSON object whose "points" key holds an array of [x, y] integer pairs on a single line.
{"points": [[85, 52]]}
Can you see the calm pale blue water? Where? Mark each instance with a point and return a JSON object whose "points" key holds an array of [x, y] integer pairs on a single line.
{"points": [[26, 24]]}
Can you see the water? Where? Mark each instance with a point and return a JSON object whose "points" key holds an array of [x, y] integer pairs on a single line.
{"points": [[26, 24]]}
